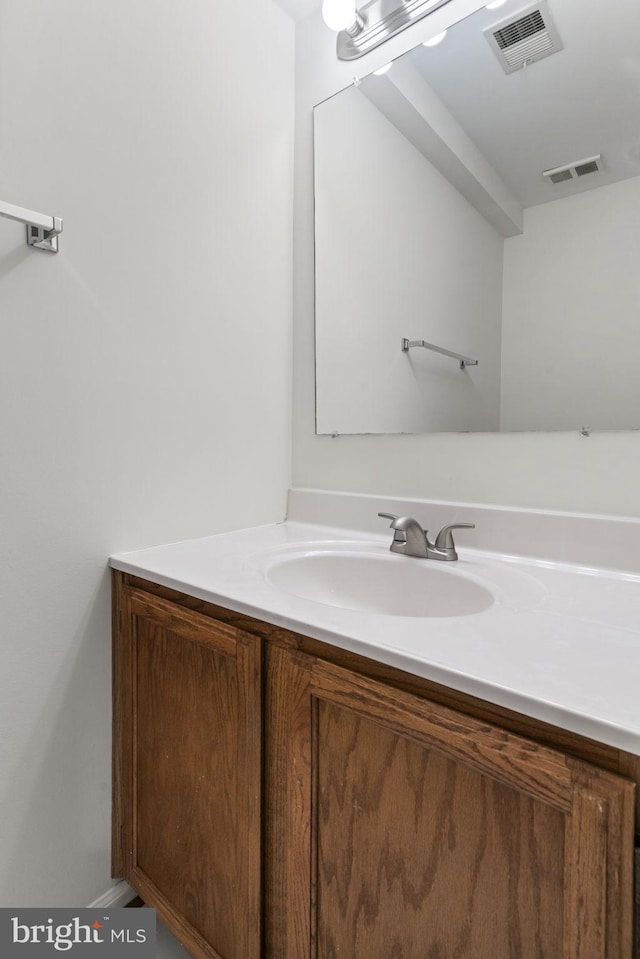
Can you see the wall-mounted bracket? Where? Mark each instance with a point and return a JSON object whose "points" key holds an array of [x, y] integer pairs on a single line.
{"points": [[45, 239], [464, 361], [42, 230]]}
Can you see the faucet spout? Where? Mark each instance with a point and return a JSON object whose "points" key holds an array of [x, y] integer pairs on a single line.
{"points": [[409, 538]]}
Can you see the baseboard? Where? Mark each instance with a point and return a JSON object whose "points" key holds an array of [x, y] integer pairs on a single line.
{"points": [[118, 895]]}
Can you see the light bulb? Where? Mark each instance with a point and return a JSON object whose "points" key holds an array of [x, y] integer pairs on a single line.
{"points": [[434, 41], [339, 14]]}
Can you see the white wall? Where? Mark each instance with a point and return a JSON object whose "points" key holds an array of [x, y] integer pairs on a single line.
{"points": [[144, 371], [571, 337], [544, 470], [374, 190]]}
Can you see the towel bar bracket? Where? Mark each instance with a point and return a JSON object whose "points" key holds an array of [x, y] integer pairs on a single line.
{"points": [[45, 239], [42, 230]]}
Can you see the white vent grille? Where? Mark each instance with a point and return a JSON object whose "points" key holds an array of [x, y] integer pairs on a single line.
{"points": [[524, 37], [571, 171]]}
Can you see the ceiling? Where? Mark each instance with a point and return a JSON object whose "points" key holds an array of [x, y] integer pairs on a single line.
{"points": [[579, 102], [297, 9]]}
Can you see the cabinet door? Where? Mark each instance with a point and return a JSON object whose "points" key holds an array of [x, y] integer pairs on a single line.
{"points": [[188, 769], [413, 831]]}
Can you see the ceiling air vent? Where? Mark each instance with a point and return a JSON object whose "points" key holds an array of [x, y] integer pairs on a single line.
{"points": [[524, 37], [571, 171]]}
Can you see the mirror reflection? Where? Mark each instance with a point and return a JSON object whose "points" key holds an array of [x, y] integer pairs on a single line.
{"points": [[483, 196]]}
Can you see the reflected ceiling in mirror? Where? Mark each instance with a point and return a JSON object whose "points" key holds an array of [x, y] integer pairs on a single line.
{"points": [[483, 196]]}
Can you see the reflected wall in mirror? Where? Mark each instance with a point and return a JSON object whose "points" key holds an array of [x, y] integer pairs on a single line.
{"points": [[488, 202]]}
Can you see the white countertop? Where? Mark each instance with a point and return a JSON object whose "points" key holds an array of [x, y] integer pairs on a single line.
{"points": [[560, 643]]}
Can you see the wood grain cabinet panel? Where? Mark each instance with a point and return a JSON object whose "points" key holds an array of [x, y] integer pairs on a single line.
{"points": [[191, 773], [436, 836]]}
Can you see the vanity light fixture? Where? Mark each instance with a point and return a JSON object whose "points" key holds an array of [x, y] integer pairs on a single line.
{"points": [[362, 30]]}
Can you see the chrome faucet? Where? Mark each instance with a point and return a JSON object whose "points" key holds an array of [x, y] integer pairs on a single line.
{"points": [[410, 539]]}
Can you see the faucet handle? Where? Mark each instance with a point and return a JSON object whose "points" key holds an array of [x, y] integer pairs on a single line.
{"points": [[444, 539], [388, 516]]}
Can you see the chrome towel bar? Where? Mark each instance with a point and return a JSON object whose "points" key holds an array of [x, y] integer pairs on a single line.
{"points": [[465, 361], [42, 230]]}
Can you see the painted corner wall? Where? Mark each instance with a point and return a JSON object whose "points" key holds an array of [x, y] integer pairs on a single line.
{"points": [[557, 471], [145, 385], [571, 337]]}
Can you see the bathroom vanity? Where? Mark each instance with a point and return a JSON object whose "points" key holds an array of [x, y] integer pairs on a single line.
{"points": [[341, 786]]}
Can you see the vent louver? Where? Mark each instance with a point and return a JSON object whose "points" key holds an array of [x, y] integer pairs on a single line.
{"points": [[590, 166], [560, 176], [571, 171], [520, 30], [524, 37]]}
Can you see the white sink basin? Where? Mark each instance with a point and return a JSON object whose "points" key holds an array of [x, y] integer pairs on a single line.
{"points": [[380, 583]]}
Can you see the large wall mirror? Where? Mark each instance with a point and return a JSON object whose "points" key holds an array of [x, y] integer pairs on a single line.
{"points": [[483, 197]]}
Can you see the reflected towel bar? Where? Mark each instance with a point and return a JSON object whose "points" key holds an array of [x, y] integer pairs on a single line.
{"points": [[464, 360], [42, 230]]}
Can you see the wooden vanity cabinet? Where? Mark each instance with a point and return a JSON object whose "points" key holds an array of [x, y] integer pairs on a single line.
{"points": [[413, 830], [392, 825], [188, 771]]}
